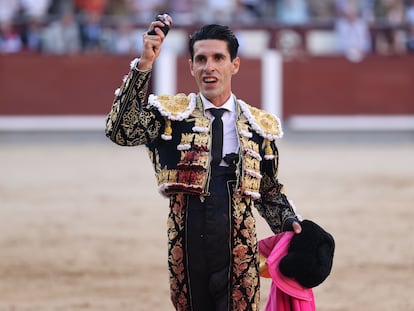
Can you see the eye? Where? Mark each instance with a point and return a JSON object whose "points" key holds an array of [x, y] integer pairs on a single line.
{"points": [[200, 59], [219, 57]]}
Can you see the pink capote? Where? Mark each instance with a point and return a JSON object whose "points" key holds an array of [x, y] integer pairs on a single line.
{"points": [[285, 293]]}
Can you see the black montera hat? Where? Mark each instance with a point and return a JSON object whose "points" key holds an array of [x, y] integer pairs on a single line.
{"points": [[310, 255]]}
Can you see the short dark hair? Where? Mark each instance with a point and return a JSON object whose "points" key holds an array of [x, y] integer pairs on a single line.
{"points": [[218, 32]]}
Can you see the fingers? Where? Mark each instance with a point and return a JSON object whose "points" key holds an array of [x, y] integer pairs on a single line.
{"points": [[154, 35], [152, 29], [157, 37], [151, 47], [297, 228]]}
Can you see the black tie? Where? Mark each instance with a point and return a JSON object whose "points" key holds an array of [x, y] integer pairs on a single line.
{"points": [[217, 143]]}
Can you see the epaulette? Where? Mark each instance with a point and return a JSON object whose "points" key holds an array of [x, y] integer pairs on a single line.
{"points": [[264, 123], [174, 107]]}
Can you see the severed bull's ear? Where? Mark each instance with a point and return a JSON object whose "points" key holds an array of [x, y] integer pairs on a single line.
{"points": [[166, 20]]}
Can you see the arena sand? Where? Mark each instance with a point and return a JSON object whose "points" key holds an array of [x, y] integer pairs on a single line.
{"points": [[82, 226]]}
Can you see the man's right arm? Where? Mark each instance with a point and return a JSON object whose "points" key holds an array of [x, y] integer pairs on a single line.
{"points": [[127, 123]]}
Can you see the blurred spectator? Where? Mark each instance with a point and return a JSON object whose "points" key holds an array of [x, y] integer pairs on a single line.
{"points": [[290, 44], [144, 11], [91, 31], [396, 18], [254, 6], [34, 13], [58, 7], [121, 40], [409, 13], [217, 11], [341, 6], [88, 6], [35, 9], [365, 8], [8, 10], [10, 41], [391, 15], [292, 12], [410, 39], [63, 36], [251, 11], [181, 11], [117, 8], [32, 35], [409, 16], [322, 10], [353, 36]]}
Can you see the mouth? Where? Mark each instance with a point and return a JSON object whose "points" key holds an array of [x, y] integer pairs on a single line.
{"points": [[210, 80]]}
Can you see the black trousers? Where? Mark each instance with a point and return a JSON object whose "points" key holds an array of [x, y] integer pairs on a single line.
{"points": [[208, 243]]}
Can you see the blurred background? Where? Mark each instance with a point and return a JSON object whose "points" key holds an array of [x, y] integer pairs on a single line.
{"points": [[382, 27], [82, 226], [337, 64]]}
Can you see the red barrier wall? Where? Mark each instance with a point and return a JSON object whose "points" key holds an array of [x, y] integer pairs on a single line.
{"points": [[59, 85], [332, 85], [84, 85]]}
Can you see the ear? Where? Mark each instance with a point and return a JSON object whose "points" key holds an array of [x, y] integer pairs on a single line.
{"points": [[236, 65], [190, 63]]}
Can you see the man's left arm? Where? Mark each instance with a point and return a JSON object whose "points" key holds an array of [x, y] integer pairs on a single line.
{"points": [[273, 204]]}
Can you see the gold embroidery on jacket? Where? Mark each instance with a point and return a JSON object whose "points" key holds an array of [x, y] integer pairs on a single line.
{"points": [[264, 123], [245, 265], [174, 103], [175, 107], [201, 141]]}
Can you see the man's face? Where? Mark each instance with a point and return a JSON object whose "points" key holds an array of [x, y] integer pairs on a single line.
{"points": [[213, 69]]}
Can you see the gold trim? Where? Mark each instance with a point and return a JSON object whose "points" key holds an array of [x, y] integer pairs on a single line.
{"points": [[264, 123], [175, 107]]}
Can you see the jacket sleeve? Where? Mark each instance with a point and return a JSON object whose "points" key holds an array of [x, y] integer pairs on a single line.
{"points": [[273, 204], [131, 122]]}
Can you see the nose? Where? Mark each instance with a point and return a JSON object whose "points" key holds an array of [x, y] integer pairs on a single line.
{"points": [[209, 65]]}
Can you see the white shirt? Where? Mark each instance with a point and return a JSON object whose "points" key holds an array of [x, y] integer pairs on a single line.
{"points": [[230, 137]]}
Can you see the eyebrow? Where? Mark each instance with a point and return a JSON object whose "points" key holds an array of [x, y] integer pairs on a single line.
{"points": [[215, 55]]}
